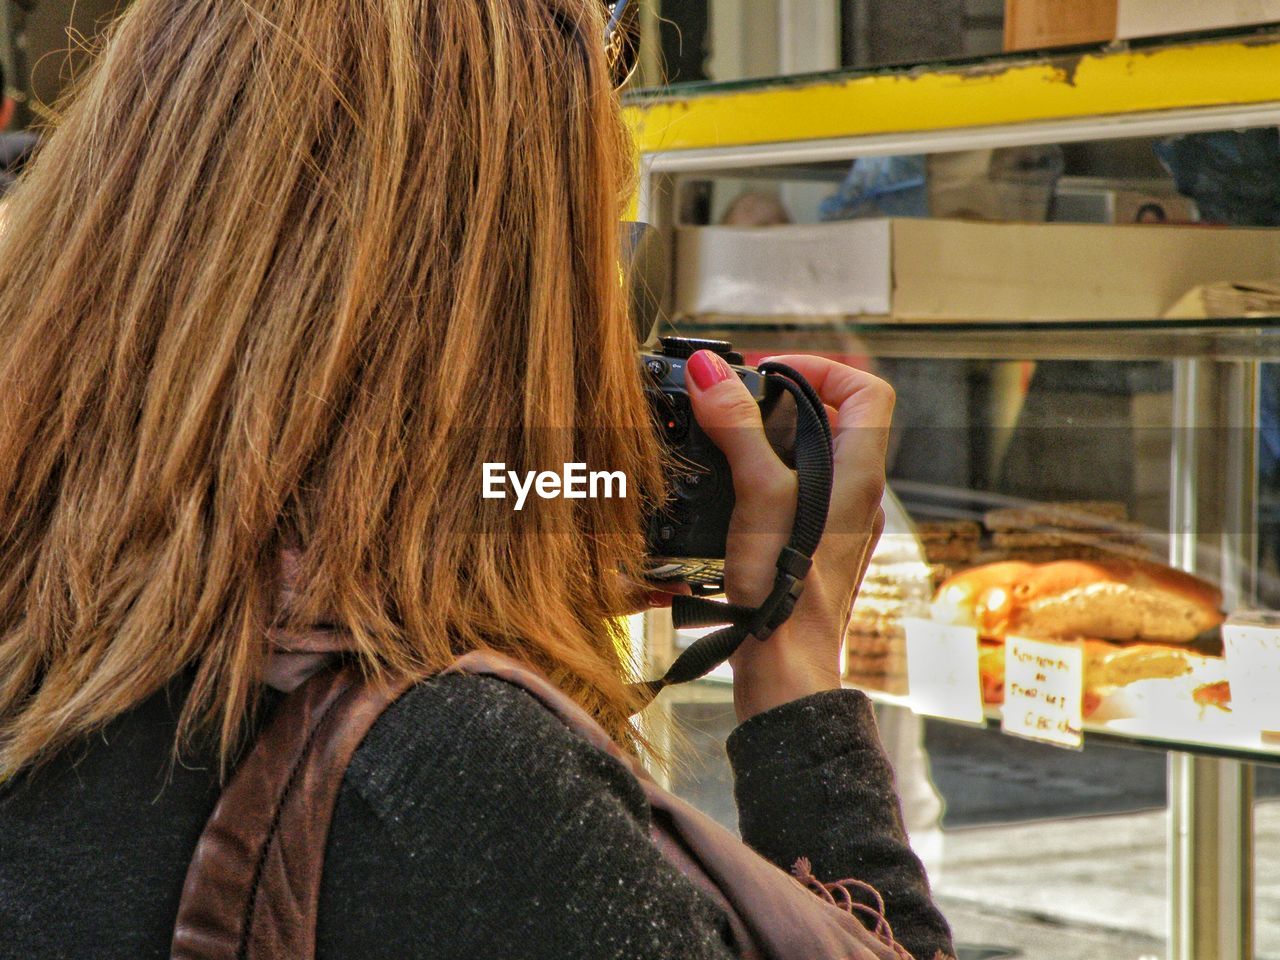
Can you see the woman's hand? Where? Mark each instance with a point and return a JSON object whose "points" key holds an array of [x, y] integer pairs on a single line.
{"points": [[803, 655]]}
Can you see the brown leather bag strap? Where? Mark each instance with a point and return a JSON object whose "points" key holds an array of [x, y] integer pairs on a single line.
{"points": [[253, 887]]}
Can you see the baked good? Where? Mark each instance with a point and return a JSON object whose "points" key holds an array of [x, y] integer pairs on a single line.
{"points": [[948, 541], [1115, 665], [1049, 537], [951, 551], [1110, 667], [864, 641], [896, 585], [875, 642], [876, 656], [1216, 694], [1114, 599], [879, 670], [1080, 551], [1072, 515], [991, 672], [940, 573], [933, 531], [1079, 530], [1093, 552]]}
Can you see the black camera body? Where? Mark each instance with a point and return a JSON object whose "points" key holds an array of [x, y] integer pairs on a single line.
{"points": [[686, 537]]}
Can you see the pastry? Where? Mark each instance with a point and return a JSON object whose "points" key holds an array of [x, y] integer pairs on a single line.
{"points": [[1114, 599], [1078, 515]]}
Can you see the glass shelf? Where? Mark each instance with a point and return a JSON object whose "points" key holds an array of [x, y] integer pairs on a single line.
{"points": [[1218, 339], [1231, 745]]}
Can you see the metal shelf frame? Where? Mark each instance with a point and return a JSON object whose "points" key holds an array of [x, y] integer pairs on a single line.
{"points": [[1251, 340], [1110, 93]]}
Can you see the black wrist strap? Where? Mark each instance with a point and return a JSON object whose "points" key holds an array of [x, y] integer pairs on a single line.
{"points": [[814, 473]]}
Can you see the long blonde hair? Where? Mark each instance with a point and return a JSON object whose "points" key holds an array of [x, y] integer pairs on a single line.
{"points": [[291, 271]]}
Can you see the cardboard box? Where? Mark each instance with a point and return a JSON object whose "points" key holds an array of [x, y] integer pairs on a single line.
{"points": [[955, 271], [1150, 18], [1103, 200], [1012, 183], [1036, 24]]}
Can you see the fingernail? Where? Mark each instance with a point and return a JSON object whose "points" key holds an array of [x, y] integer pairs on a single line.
{"points": [[708, 369]]}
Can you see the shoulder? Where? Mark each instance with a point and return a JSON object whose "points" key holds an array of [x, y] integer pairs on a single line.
{"points": [[466, 745], [473, 823]]}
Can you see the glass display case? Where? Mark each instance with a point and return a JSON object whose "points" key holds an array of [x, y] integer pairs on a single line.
{"points": [[1161, 419], [1155, 422], [1111, 404]]}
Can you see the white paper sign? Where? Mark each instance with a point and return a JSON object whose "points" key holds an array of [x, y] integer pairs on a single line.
{"points": [[942, 670], [1251, 642], [1043, 690]]}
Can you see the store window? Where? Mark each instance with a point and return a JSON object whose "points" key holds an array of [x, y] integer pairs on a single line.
{"points": [[1045, 414]]}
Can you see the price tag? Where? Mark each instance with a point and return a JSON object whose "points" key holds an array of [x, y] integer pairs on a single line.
{"points": [[1251, 641], [942, 670], [1043, 690]]}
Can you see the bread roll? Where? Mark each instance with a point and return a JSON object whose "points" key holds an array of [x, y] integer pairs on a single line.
{"points": [[1108, 665], [1107, 600]]}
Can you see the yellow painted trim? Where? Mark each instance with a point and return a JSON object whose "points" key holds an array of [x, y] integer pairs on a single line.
{"points": [[1107, 83]]}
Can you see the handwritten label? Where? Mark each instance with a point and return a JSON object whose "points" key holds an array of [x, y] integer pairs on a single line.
{"points": [[1251, 642], [1043, 690], [942, 670]]}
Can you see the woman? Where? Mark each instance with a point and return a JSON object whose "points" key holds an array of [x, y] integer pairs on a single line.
{"points": [[286, 276]]}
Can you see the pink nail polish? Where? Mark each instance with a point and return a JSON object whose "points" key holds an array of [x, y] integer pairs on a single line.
{"points": [[708, 369]]}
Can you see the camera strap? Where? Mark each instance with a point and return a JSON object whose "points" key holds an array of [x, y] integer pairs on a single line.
{"points": [[814, 472]]}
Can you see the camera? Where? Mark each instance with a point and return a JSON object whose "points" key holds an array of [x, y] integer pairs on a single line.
{"points": [[686, 535]]}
